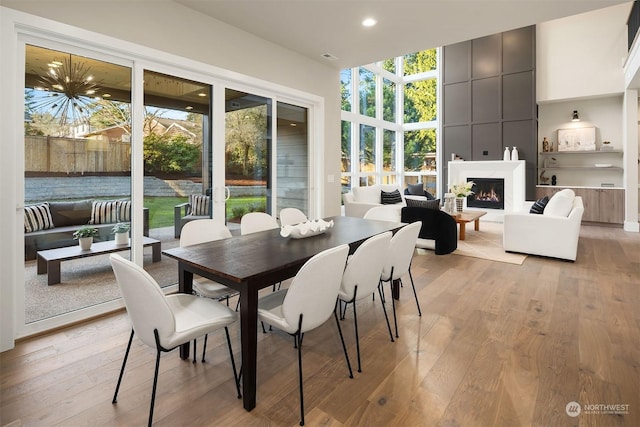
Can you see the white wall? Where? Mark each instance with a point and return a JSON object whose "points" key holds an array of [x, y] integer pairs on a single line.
{"points": [[582, 55], [167, 27]]}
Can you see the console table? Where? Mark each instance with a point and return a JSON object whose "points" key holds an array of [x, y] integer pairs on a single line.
{"points": [[49, 260]]}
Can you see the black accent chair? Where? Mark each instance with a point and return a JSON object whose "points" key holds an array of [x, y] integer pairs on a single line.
{"points": [[436, 225]]}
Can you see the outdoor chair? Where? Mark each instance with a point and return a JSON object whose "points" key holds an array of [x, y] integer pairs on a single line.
{"points": [[198, 207]]}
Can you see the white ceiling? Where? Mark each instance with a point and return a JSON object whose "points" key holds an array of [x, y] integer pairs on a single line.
{"points": [[315, 27]]}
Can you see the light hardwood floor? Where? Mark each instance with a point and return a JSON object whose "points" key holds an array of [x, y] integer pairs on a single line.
{"points": [[497, 345]]}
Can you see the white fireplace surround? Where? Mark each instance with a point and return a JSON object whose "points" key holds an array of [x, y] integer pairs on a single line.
{"points": [[513, 174]]}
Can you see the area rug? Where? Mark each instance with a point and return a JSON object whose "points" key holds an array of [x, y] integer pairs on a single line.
{"points": [[89, 281], [486, 243]]}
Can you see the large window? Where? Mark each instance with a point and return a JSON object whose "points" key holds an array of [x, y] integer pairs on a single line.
{"points": [[392, 125]]}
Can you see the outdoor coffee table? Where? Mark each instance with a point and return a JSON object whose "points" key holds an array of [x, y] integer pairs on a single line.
{"points": [[465, 217], [50, 259]]}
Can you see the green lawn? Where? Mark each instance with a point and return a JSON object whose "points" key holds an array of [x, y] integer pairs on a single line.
{"points": [[161, 208]]}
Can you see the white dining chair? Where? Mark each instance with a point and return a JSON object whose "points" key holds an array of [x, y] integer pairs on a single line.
{"points": [[398, 262], [166, 322], [254, 222], [292, 216], [308, 303], [201, 231], [383, 213], [362, 276]]}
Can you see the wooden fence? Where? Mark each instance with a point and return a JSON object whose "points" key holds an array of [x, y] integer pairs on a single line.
{"points": [[69, 155]]}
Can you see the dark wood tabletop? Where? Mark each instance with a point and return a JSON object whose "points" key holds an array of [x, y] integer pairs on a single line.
{"points": [[255, 261]]}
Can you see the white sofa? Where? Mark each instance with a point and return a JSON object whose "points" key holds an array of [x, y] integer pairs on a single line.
{"points": [[361, 199], [554, 233]]}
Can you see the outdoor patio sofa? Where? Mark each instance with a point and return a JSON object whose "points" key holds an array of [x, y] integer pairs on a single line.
{"points": [[50, 225]]}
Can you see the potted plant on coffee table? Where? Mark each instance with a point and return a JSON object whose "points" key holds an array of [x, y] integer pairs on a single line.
{"points": [[121, 230], [85, 235], [461, 191]]}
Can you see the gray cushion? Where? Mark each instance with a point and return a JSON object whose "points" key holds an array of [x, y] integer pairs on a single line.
{"points": [[428, 204], [390, 197], [70, 213], [415, 189]]}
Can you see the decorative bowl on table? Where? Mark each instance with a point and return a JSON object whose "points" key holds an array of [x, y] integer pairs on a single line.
{"points": [[306, 229]]}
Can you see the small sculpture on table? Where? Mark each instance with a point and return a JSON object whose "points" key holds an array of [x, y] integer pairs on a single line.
{"points": [[543, 179], [545, 145]]}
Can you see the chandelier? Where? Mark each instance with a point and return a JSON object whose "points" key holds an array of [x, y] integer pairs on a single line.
{"points": [[71, 89]]}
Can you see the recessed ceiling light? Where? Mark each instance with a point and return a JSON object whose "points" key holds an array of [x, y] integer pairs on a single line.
{"points": [[106, 95], [369, 22], [188, 107], [202, 94]]}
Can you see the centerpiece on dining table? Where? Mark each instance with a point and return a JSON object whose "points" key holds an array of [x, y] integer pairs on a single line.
{"points": [[306, 229]]}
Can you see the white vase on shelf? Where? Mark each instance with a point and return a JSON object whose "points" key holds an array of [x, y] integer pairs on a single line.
{"points": [[506, 156], [514, 154]]}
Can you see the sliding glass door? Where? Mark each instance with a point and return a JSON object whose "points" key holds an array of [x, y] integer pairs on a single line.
{"points": [[83, 140], [77, 172]]}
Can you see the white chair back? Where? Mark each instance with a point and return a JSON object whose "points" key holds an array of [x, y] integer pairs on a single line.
{"points": [[203, 230], [292, 216], [146, 304], [383, 213], [401, 251], [314, 290], [257, 221], [364, 267]]}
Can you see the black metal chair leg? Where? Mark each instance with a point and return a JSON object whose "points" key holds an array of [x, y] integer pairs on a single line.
{"points": [[386, 317], [236, 377], [204, 349], [414, 293], [155, 384], [393, 304], [344, 347], [194, 350], [355, 322], [124, 362], [299, 345]]}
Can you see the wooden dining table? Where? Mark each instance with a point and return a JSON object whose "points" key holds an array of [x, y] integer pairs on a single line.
{"points": [[255, 261]]}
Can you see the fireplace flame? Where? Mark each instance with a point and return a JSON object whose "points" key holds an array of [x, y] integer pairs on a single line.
{"points": [[488, 196]]}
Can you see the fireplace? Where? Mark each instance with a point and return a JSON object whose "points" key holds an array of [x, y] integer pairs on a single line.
{"points": [[488, 193]]}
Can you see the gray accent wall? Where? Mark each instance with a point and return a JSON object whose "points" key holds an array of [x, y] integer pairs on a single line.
{"points": [[489, 102]]}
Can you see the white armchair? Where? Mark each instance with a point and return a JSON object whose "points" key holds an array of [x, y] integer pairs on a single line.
{"points": [[545, 234]]}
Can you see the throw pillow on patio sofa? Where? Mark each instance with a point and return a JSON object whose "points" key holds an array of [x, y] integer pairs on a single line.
{"points": [[37, 217]]}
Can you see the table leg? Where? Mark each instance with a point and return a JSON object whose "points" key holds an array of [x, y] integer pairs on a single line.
{"points": [[477, 224], [395, 289], [249, 338], [185, 285], [157, 252], [42, 265], [463, 229], [53, 270]]}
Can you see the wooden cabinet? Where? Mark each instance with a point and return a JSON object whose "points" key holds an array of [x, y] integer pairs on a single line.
{"points": [[600, 204]]}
